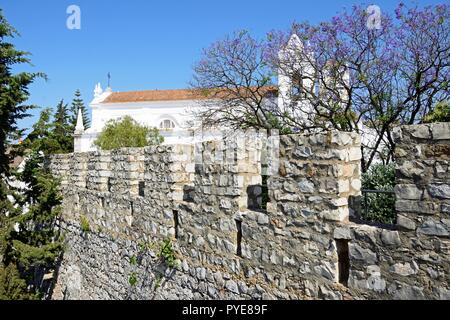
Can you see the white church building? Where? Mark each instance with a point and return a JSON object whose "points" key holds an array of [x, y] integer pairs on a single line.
{"points": [[171, 111], [167, 110]]}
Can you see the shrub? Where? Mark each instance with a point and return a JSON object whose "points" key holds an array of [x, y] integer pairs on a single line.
{"points": [[441, 113], [132, 280], [127, 133], [84, 224], [167, 253], [380, 206]]}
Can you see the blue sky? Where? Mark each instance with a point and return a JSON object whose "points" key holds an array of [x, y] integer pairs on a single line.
{"points": [[143, 44]]}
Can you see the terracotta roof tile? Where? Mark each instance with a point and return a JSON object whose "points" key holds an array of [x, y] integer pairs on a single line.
{"points": [[165, 95], [153, 95]]}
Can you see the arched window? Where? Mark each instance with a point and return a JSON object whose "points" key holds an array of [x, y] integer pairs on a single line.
{"points": [[167, 124]]}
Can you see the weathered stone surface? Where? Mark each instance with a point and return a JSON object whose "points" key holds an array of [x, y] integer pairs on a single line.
{"points": [[441, 131], [421, 132], [342, 233], [232, 286], [362, 254], [390, 238], [306, 186], [404, 269], [407, 292], [434, 228], [408, 191], [440, 191], [420, 207], [406, 223], [291, 251]]}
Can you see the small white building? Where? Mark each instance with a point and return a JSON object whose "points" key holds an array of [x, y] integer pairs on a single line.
{"points": [[167, 110]]}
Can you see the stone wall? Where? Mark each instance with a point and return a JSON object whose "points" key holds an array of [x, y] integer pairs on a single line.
{"points": [[304, 246]]}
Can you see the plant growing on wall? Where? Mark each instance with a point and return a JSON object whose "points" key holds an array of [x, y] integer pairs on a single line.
{"points": [[127, 133], [132, 280], [84, 224], [167, 253]]}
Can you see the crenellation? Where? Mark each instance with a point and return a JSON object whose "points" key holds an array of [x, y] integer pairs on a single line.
{"points": [[303, 245]]}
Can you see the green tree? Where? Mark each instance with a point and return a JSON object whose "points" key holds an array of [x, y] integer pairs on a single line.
{"points": [[63, 129], [13, 91], [127, 133], [12, 287], [51, 135], [77, 103], [28, 245], [440, 113], [13, 94]]}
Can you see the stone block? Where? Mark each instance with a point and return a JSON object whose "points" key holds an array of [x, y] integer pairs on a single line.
{"points": [[354, 154], [306, 186], [420, 207], [439, 191], [342, 233], [344, 186], [364, 255], [419, 131], [390, 238], [434, 228], [440, 131], [340, 138], [408, 191], [405, 222]]}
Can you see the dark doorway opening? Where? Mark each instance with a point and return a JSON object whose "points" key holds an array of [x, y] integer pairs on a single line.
{"points": [[239, 238], [343, 260], [176, 222]]}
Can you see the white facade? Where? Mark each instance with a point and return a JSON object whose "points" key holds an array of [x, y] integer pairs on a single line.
{"points": [[173, 118], [173, 114]]}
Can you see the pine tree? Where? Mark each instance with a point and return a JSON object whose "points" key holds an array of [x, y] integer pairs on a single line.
{"points": [[13, 91], [13, 94], [63, 129], [27, 239], [77, 103]]}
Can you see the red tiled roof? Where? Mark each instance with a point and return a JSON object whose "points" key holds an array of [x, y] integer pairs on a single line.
{"points": [[163, 95], [153, 95]]}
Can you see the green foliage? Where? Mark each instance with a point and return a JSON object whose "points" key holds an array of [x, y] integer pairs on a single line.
{"points": [[13, 92], [133, 260], [380, 207], [440, 113], [77, 103], [51, 135], [12, 286], [132, 280], [143, 246], [127, 133], [167, 253], [84, 224], [62, 129], [29, 242], [275, 123]]}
